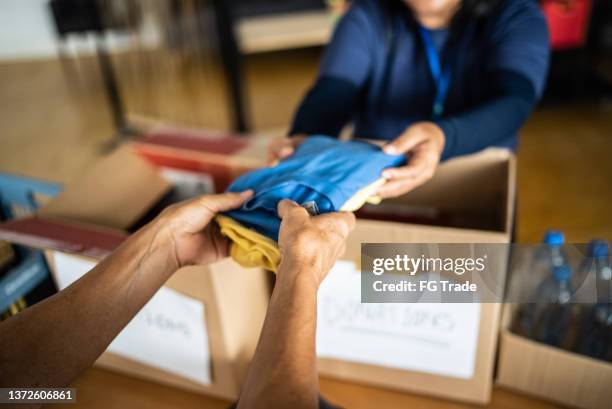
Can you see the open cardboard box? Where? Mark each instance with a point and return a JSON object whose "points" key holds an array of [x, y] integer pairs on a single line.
{"points": [[91, 218], [473, 194], [551, 373], [222, 156], [469, 200]]}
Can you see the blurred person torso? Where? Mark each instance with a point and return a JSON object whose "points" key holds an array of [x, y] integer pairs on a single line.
{"points": [[377, 73]]}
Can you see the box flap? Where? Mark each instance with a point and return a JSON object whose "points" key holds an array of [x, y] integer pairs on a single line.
{"points": [[223, 156], [43, 233], [196, 140], [115, 192]]}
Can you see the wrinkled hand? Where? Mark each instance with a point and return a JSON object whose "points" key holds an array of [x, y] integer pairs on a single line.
{"points": [[423, 142], [281, 148], [311, 244], [188, 228]]}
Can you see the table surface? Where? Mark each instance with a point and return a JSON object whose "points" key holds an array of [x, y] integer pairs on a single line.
{"points": [[99, 388]]}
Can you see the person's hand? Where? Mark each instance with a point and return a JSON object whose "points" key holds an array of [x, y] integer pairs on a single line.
{"points": [[281, 148], [423, 143], [187, 227], [311, 244]]}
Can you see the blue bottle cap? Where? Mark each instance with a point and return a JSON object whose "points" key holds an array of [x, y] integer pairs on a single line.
{"points": [[599, 248], [554, 237], [562, 272]]}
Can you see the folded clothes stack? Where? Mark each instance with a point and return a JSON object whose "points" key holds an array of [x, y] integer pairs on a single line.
{"points": [[323, 175]]}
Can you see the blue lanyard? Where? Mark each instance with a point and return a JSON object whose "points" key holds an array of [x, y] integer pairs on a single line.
{"points": [[441, 77]]}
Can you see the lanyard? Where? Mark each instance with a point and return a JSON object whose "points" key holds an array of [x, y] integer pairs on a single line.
{"points": [[440, 76]]}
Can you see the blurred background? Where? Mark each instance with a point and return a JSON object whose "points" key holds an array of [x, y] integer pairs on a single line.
{"points": [[79, 77]]}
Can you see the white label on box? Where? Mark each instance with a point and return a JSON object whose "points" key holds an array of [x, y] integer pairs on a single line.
{"points": [[439, 338], [169, 332], [188, 184]]}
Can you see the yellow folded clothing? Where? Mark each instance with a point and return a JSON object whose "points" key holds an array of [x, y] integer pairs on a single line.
{"points": [[249, 248], [252, 249]]}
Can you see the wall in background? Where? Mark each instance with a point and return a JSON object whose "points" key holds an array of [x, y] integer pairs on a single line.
{"points": [[26, 30]]}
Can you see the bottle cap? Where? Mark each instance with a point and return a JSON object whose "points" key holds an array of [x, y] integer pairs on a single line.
{"points": [[554, 237], [599, 248], [562, 272]]}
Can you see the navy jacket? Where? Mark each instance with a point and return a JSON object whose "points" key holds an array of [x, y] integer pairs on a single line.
{"points": [[375, 73]]}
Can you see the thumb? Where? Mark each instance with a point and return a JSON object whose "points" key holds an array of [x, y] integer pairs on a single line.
{"points": [[285, 151], [289, 207], [404, 143], [197, 213], [223, 201]]}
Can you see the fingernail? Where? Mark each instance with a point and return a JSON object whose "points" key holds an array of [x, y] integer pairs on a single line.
{"points": [[390, 149], [246, 193], [387, 175]]}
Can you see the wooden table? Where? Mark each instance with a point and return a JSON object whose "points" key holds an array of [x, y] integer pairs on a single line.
{"points": [[98, 388]]}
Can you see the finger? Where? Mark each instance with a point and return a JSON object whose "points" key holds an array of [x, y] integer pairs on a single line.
{"points": [[340, 222], [394, 189], [400, 187], [220, 243], [405, 172], [419, 163], [285, 152], [288, 208], [193, 216], [224, 201], [276, 146], [289, 148], [284, 147], [405, 143], [345, 222], [340, 251]]}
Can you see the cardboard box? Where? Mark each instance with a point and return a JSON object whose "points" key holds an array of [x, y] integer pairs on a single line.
{"points": [[480, 184], [469, 200], [551, 373], [223, 156], [90, 219]]}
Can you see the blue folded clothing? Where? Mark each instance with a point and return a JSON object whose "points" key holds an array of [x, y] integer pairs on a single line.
{"points": [[321, 175]]}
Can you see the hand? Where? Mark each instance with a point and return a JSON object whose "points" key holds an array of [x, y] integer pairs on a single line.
{"points": [[423, 142], [311, 244], [283, 147], [188, 228]]}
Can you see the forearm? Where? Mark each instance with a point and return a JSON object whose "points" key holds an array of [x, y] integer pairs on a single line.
{"points": [[497, 119], [284, 368], [50, 343]]}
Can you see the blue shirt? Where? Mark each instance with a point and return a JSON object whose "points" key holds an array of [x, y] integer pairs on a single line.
{"points": [[375, 73], [322, 175]]}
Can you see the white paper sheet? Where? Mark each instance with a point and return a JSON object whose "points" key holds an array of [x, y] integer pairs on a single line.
{"points": [[434, 338], [168, 333]]}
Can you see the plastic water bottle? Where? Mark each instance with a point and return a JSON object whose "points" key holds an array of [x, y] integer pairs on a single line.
{"points": [[552, 315], [547, 256], [595, 333]]}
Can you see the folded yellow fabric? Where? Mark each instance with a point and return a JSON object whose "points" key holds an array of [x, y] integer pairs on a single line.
{"points": [[252, 249], [249, 248]]}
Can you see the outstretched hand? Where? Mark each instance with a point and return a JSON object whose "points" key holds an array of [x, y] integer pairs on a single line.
{"points": [[283, 147], [194, 239], [311, 243], [423, 143]]}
